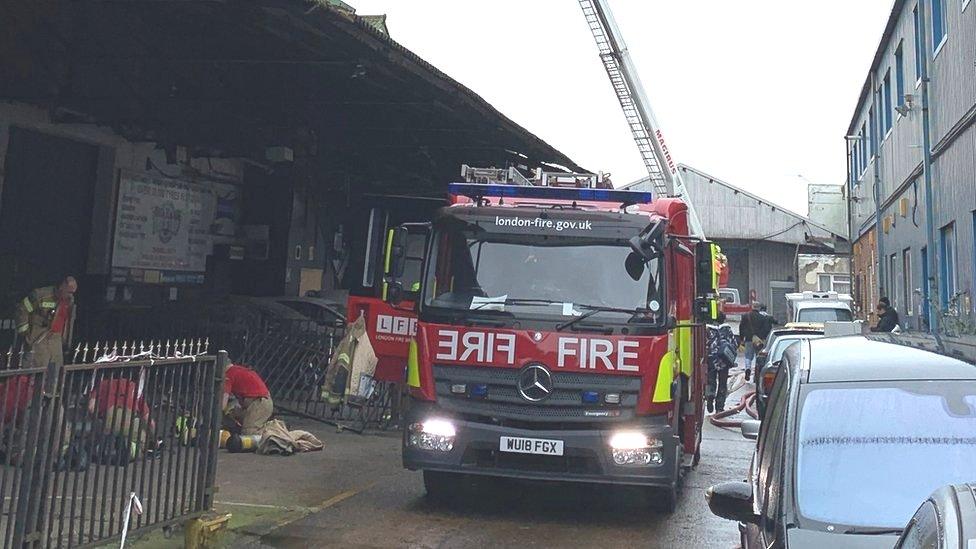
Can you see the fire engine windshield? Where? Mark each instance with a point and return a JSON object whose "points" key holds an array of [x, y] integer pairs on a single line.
{"points": [[539, 276]]}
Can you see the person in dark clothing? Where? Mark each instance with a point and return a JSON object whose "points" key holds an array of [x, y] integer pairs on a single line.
{"points": [[760, 324], [766, 324], [887, 317], [722, 349], [746, 331]]}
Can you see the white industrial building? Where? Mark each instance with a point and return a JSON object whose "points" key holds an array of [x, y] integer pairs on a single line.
{"points": [[764, 242]]}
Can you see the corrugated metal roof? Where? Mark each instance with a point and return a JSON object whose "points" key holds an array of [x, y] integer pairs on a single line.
{"points": [[729, 212]]}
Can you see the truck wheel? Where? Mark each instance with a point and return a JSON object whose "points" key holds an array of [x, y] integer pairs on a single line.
{"points": [[441, 486], [663, 500], [694, 462]]}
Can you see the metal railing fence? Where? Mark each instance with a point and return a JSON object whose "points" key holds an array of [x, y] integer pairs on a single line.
{"points": [[83, 442], [294, 365]]}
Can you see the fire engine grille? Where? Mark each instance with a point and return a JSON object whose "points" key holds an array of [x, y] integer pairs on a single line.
{"points": [[564, 404]]}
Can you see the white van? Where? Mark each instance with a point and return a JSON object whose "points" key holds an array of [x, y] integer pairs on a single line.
{"points": [[820, 307]]}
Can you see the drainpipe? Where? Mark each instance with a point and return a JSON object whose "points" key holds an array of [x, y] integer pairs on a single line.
{"points": [[849, 193], [878, 229], [933, 281]]}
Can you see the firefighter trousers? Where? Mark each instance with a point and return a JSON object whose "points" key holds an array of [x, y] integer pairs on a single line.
{"points": [[47, 349]]}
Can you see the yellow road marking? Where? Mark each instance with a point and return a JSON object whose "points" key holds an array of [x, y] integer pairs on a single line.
{"points": [[338, 498], [334, 500]]}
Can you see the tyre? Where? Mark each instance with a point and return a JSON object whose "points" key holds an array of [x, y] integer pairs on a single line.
{"points": [[697, 458], [663, 500]]}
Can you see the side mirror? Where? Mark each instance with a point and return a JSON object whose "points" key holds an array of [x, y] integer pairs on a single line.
{"points": [[707, 276], [634, 264], [394, 292], [732, 501], [648, 244], [398, 252], [750, 429]]}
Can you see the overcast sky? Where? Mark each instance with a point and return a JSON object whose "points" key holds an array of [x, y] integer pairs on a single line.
{"points": [[755, 92]]}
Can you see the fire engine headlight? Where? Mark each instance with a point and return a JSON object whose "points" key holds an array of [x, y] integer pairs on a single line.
{"points": [[635, 448], [435, 434]]}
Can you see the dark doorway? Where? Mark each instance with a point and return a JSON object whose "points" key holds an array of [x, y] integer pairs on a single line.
{"points": [[738, 271], [45, 212]]}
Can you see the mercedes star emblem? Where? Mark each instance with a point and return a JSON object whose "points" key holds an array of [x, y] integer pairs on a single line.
{"points": [[534, 382]]}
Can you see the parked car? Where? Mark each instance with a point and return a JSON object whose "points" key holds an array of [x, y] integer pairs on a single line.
{"points": [[793, 332], [857, 432], [323, 311], [946, 520]]}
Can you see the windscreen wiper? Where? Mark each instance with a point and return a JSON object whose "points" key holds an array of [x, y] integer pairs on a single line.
{"points": [[594, 309], [515, 301], [873, 531]]}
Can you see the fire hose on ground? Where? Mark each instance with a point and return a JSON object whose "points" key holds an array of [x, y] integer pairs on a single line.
{"points": [[747, 403]]}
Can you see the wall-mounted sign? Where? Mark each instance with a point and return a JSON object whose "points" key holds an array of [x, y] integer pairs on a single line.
{"points": [[162, 230]]}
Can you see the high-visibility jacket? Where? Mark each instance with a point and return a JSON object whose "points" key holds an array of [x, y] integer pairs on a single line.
{"points": [[36, 312]]}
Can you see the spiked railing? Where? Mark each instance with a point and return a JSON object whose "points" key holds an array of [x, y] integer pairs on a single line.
{"points": [[18, 355]]}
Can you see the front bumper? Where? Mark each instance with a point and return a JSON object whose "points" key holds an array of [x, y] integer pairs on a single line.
{"points": [[586, 455]]}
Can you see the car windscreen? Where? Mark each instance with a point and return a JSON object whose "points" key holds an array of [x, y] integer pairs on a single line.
{"points": [[535, 275], [868, 454], [729, 296], [820, 315]]}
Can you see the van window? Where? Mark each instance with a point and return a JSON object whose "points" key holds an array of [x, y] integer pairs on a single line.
{"points": [[820, 315]]}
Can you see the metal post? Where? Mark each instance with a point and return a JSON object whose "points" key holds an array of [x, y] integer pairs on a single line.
{"points": [[933, 281], [878, 130], [212, 443], [33, 497], [851, 232]]}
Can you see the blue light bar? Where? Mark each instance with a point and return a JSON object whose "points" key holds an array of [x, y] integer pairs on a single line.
{"points": [[476, 190], [480, 390], [591, 397]]}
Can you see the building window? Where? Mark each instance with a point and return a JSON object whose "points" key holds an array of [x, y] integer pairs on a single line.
{"points": [[908, 291], [863, 148], [900, 75], [886, 101], [840, 283], [872, 135], [938, 25], [918, 46], [947, 264]]}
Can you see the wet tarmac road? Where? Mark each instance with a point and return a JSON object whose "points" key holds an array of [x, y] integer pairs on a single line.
{"points": [[379, 504]]}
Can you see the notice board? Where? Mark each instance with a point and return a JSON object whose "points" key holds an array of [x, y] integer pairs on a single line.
{"points": [[162, 230]]}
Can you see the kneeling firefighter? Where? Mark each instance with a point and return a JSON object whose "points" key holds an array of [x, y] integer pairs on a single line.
{"points": [[254, 400]]}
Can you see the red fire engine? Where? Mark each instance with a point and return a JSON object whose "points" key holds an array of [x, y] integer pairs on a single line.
{"points": [[551, 330]]}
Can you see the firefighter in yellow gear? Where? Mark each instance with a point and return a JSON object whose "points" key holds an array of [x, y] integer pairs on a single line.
{"points": [[45, 319]]}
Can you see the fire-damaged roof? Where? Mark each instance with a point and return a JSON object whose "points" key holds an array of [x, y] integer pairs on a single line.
{"points": [[231, 78]]}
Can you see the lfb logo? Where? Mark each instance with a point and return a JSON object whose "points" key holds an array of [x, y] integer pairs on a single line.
{"points": [[396, 325], [166, 221]]}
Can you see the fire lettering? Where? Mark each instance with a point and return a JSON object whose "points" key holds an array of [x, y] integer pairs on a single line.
{"points": [[449, 345], [592, 353], [477, 347]]}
